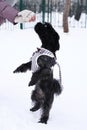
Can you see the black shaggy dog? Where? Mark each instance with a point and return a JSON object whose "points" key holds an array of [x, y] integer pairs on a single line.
{"points": [[42, 77]]}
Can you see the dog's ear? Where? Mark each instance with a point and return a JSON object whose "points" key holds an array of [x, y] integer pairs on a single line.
{"points": [[54, 36], [52, 30]]}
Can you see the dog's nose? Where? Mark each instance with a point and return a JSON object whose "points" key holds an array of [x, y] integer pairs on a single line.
{"points": [[38, 26]]}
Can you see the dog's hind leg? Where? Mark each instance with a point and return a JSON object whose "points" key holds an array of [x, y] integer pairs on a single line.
{"points": [[46, 110], [38, 98]]}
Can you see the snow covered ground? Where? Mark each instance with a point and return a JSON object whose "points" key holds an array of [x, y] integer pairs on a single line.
{"points": [[69, 111]]}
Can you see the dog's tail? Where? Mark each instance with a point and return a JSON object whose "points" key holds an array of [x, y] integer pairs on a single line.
{"points": [[58, 82], [57, 87], [60, 75]]}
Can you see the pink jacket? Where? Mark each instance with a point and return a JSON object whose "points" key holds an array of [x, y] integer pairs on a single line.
{"points": [[7, 12]]}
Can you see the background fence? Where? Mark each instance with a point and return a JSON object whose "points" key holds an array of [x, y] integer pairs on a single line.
{"points": [[52, 11]]}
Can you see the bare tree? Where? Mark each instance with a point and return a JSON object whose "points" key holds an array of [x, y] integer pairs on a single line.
{"points": [[65, 15]]}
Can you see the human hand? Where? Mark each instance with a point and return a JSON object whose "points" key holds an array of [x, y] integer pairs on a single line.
{"points": [[25, 16]]}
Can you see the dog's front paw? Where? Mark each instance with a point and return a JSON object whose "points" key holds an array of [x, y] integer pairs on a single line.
{"points": [[36, 107], [21, 68], [15, 71], [32, 109]]}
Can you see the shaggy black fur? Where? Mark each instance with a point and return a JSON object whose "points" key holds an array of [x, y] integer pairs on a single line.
{"points": [[48, 36], [45, 85]]}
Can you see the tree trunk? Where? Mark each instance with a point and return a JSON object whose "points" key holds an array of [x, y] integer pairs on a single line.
{"points": [[65, 15]]}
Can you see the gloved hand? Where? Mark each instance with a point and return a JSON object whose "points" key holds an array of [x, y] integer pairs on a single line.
{"points": [[25, 16]]}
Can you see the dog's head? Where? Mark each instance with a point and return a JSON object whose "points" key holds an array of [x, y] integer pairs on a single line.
{"points": [[48, 36]]}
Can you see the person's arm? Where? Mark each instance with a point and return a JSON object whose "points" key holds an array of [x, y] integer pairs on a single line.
{"points": [[7, 12], [14, 16]]}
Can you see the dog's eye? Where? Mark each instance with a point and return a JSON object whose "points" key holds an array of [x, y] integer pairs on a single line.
{"points": [[45, 25]]}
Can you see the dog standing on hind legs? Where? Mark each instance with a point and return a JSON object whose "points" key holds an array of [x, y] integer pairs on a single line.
{"points": [[41, 64]]}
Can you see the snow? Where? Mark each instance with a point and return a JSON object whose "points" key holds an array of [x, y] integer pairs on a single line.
{"points": [[69, 111]]}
